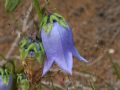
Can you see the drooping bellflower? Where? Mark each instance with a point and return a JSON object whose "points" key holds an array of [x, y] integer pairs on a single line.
{"points": [[3, 86], [6, 76], [58, 43]]}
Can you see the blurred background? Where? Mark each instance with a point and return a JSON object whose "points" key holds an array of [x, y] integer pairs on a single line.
{"points": [[96, 29]]}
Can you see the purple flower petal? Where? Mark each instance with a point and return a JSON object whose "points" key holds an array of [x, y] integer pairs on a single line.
{"points": [[1, 83], [3, 86], [68, 42], [65, 45], [59, 47], [73, 49], [66, 65], [53, 47], [77, 55], [48, 64], [69, 60]]}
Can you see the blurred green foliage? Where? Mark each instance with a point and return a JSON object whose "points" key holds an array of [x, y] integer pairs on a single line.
{"points": [[11, 5]]}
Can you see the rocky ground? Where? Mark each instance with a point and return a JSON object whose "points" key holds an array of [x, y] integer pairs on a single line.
{"points": [[96, 29]]}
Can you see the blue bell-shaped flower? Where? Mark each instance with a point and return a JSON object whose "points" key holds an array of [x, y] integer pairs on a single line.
{"points": [[3, 86], [58, 43]]}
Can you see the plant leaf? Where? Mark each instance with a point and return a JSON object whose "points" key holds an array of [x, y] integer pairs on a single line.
{"points": [[22, 82], [11, 5], [23, 54]]}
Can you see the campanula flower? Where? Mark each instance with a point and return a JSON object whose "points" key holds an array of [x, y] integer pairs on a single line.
{"points": [[59, 45], [3, 86]]}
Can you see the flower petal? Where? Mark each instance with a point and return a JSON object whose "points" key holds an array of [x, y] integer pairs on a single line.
{"points": [[69, 59], [74, 50], [64, 35], [53, 47], [1, 83], [69, 62], [77, 55], [48, 64], [68, 42], [3, 86]]}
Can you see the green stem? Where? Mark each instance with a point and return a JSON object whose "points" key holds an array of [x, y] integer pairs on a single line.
{"points": [[38, 9]]}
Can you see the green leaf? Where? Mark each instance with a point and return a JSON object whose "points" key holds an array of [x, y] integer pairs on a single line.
{"points": [[19, 77], [11, 5], [1, 71], [23, 42], [38, 57], [23, 54], [44, 22], [42, 49], [22, 82], [38, 9], [40, 54], [5, 75], [25, 84], [32, 47], [10, 67]]}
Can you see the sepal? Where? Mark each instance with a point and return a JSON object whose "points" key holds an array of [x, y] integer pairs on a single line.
{"points": [[27, 46], [48, 22]]}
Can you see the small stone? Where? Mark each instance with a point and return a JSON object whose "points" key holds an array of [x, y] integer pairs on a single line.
{"points": [[111, 51]]}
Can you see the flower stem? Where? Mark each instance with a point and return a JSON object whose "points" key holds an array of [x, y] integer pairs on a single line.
{"points": [[38, 9]]}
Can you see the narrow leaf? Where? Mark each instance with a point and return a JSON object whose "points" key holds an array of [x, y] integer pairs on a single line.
{"points": [[11, 5]]}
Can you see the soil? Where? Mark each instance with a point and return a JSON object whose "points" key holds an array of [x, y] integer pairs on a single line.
{"points": [[96, 29]]}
